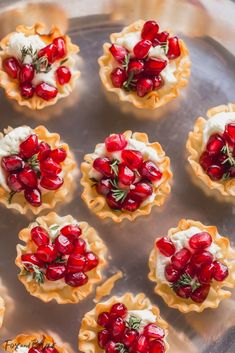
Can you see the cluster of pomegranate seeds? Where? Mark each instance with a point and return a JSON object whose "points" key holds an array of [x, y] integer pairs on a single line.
{"points": [[120, 334], [190, 272], [35, 165], [43, 349], [42, 62], [138, 71], [125, 184], [66, 257], [218, 160]]}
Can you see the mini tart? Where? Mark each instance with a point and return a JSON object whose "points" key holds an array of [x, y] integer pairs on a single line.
{"points": [[33, 340], [65, 293], [11, 85], [2, 310], [87, 338], [156, 98], [97, 203], [49, 197], [195, 149], [216, 293]]}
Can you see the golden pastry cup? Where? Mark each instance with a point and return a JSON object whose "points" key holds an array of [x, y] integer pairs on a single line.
{"points": [[67, 294], [98, 204], [87, 337], [216, 293], [10, 85], [195, 148], [2, 310], [51, 197], [154, 99]]}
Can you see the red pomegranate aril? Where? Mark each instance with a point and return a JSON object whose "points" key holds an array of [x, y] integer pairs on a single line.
{"points": [[165, 246], [156, 346], [26, 73], [46, 91], [60, 45], [26, 90], [215, 144], [91, 261], [48, 349], [173, 48], [132, 158], [117, 327], [63, 75], [35, 350], [129, 337], [104, 186], [33, 196], [201, 258], [64, 244], [160, 38], [205, 160], [171, 274], [11, 66], [47, 253], [135, 66], [29, 147], [149, 30], [119, 309], [125, 175], [39, 236], [144, 86], [51, 182], [115, 142], [184, 291], [71, 230], [142, 190], [104, 319], [43, 150], [55, 272], [200, 240], [205, 273], [154, 66], [76, 279], [76, 263], [180, 259], [14, 183], [154, 331], [50, 167], [150, 171], [131, 203], [141, 344], [28, 259], [79, 246], [230, 132], [58, 155], [118, 52], [28, 178], [102, 165], [158, 82], [112, 203], [12, 163], [50, 52], [118, 77], [142, 48], [190, 270], [215, 172], [110, 347], [103, 338], [220, 271], [201, 293]]}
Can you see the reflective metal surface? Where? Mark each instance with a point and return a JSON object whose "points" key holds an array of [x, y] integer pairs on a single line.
{"points": [[85, 119]]}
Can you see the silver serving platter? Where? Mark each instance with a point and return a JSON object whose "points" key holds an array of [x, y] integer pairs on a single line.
{"points": [[87, 117]]}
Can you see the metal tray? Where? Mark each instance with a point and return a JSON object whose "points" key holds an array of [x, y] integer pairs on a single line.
{"points": [[86, 118]]}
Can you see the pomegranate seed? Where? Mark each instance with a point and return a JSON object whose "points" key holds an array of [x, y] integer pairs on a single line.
{"points": [[28, 177], [190, 270], [115, 142], [51, 182], [156, 346], [158, 82], [201, 293], [205, 273], [160, 38], [201, 258], [171, 274], [142, 190], [111, 347], [50, 52], [35, 350], [11, 163], [117, 327], [50, 167], [154, 66], [215, 172], [232, 172], [58, 155], [33, 196], [149, 30], [230, 132], [132, 158], [200, 240], [141, 344], [55, 272], [64, 244], [112, 203], [39, 236], [136, 66], [76, 279], [154, 331], [220, 271], [76, 263], [28, 259], [71, 230], [63, 75], [102, 165], [125, 175], [129, 337], [79, 246], [119, 309], [144, 86], [103, 338], [49, 350], [118, 52], [43, 150], [215, 144], [91, 261], [184, 291], [205, 160], [26, 73], [11, 66], [150, 171], [104, 186], [47, 253], [104, 319], [14, 183], [61, 50], [180, 259], [26, 90], [118, 77], [29, 147], [142, 48], [131, 203], [165, 246], [173, 48], [46, 91]]}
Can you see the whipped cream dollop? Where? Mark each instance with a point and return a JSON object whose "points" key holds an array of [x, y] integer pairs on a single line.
{"points": [[181, 240], [21, 349], [129, 40], [146, 316], [216, 124]]}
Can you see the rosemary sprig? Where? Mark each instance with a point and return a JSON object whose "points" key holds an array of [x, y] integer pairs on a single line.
{"points": [[226, 176], [60, 260], [120, 347], [34, 163], [114, 166], [119, 194], [127, 83], [165, 47], [229, 153], [126, 61], [38, 275], [186, 280], [63, 61], [133, 322], [40, 64], [54, 227], [10, 196]]}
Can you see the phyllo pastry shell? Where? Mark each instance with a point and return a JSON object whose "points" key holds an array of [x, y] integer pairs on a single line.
{"points": [[2, 310]]}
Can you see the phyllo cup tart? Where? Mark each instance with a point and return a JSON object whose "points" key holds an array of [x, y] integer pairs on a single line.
{"points": [[145, 66], [191, 265], [37, 68], [36, 169], [125, 324], [125, 176], [62, 258], [211, 147], [2, 310]]}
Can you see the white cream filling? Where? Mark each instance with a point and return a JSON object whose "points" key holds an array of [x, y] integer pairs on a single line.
{"points": [[181, 240], [216, 124], [146, 316], [21, 349]]}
